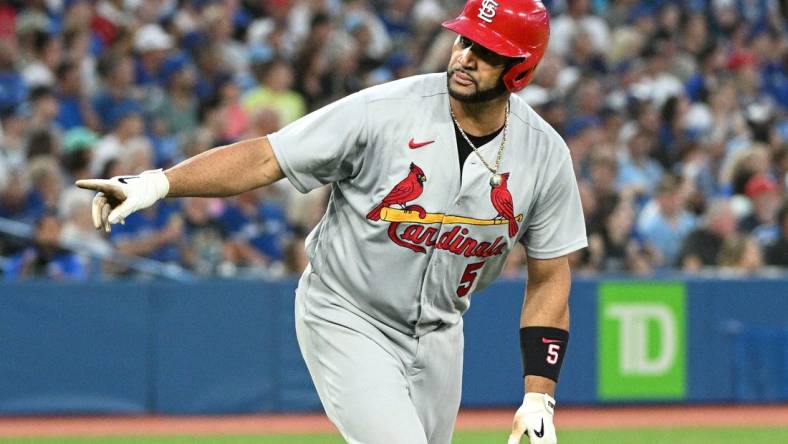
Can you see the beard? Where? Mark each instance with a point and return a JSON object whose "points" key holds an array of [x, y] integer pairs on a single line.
{"points": [[479, 96]]}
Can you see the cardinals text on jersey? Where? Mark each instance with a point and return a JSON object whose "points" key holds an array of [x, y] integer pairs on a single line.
{"points": [[417, 235]]}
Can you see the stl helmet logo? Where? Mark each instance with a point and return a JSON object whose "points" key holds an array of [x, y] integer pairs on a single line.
{"points": [[487, 10]]}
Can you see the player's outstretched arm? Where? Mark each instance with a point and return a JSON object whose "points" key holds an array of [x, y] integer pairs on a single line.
{"points": [[219, 172], [544, 334], [225, 170]]}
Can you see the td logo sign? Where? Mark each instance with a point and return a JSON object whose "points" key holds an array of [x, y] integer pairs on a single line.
{"points": [[642, 341]]}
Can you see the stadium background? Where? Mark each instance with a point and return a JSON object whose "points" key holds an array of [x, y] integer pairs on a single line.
{"points": [[675, 113]]}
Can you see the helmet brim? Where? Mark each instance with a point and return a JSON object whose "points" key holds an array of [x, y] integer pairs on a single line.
{"points": [[484, 36]]}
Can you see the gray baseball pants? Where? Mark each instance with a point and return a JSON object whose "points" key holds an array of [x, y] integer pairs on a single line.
{"points": [[377, 384]]}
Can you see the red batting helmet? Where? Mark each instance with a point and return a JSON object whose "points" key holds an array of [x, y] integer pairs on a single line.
{"points": [[511, 28]]}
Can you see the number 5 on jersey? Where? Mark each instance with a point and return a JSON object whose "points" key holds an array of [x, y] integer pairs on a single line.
{"points": [[468, 278]]}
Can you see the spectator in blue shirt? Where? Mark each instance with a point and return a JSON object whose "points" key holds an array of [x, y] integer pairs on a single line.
{"points": [[117, 74], [45, 258], [156, 233], [74, 108], [760, 14], [44, 109], [152, 45], [17, 200], [773, 72], [638, 172], [13, 89], [253, 222], [711, 62], [667, 222]]}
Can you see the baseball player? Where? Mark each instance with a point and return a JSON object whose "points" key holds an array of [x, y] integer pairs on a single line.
{"points": [[434, 180]]}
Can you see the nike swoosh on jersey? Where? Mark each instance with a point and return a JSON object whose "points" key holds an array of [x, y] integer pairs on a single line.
{"points": [[413, 145], [550, 341]]}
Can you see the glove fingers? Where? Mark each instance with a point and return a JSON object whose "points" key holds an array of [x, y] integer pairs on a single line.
{"points": [[110, 189], [518, 428], [91, 184], [121, 211], [550, 437], [95, 210], [105, 209], [514, 438]]}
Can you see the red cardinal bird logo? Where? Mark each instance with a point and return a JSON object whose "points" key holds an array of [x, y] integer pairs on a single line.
{"points": [[502, 202], [408, 189]]}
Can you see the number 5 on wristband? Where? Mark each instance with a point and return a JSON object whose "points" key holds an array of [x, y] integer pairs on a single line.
{"points": [[543, 350]]}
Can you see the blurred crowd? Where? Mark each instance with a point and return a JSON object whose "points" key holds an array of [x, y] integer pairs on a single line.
{"points": [[675, 113]]}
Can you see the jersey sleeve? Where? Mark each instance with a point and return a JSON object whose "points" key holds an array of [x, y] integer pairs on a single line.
{"points": [[557, 226], [324, 146]]}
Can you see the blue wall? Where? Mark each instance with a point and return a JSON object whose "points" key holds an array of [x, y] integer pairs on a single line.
{"points": [[229, 347]]}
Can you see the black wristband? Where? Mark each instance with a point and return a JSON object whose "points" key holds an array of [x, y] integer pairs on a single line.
{"points": [[543, 350]]}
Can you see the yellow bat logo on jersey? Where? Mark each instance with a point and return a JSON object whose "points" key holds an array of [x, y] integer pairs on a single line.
{"points": [[396, 215]]}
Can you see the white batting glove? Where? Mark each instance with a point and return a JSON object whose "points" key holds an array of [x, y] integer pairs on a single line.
{"points": [[122, 195], [534, 418]]}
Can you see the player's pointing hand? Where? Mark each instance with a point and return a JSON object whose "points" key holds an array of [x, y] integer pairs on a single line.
{"points": [[122, 195], [535, 418]]}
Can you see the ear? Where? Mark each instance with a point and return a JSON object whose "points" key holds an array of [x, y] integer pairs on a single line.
{"points": [[506, 175], [412, 165]]}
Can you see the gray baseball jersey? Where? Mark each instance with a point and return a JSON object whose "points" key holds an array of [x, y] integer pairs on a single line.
{"points": [[405, 241], [406, 238]]}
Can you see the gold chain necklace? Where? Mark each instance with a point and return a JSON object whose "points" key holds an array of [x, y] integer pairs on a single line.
{"points": [[495, 180]]}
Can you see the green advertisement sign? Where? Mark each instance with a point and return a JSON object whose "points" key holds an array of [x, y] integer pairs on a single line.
{"points": [[642, 340]]}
